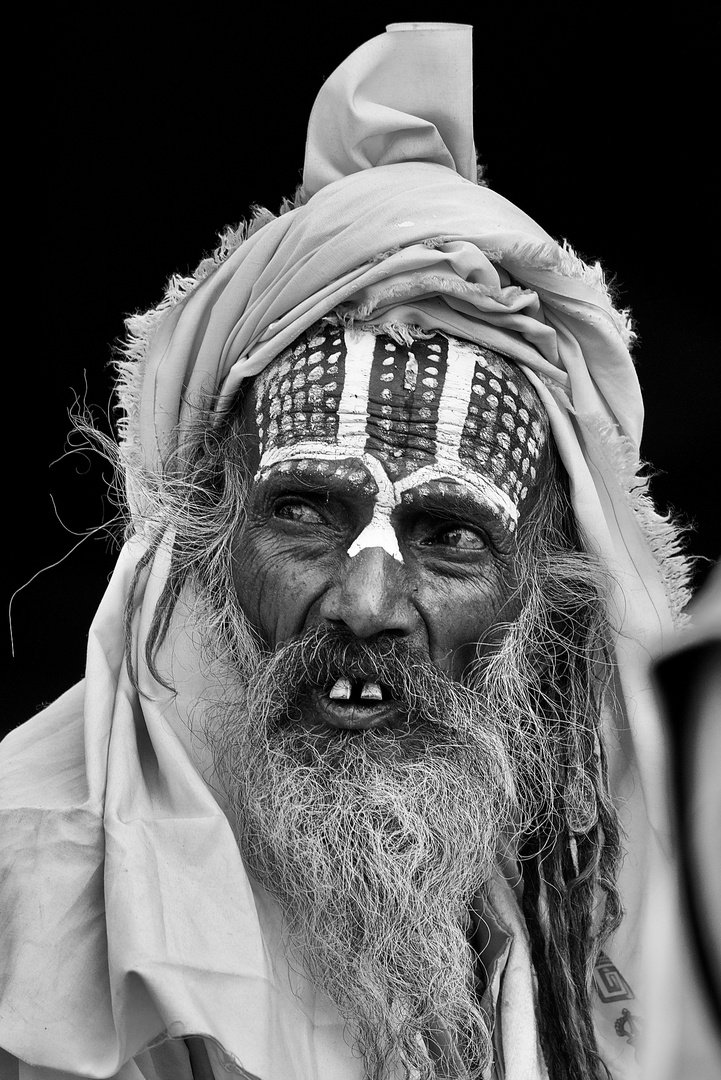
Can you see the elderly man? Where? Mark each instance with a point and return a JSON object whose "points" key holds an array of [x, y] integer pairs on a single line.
{"points": [[360, 748]]}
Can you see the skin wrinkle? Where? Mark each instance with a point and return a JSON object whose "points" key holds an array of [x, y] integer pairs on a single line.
{"points": [[269, 598]]}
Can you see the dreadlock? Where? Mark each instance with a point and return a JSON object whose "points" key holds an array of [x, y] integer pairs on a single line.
{"points": [[570, 847]]}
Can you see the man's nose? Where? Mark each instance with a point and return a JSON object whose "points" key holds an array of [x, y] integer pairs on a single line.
{"points": [[373, 596]]}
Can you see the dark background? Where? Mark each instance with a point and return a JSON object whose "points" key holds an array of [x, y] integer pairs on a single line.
{"points": [[146, 133]]}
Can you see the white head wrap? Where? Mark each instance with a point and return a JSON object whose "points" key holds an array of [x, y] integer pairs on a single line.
{"points": [[391, 226]]}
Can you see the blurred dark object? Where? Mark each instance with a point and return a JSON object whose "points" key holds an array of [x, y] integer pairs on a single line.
{"points": [[688, 687], [690, 682]]}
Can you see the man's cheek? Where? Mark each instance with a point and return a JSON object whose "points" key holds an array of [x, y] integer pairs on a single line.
{"points": [[274, 591], [465, 619]]}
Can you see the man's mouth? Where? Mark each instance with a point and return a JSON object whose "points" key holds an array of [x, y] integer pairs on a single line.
{"points": [[356, 704]]}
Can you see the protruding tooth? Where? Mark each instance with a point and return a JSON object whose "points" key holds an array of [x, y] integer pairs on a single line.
{"points": [[371, 692], [340, 691]]}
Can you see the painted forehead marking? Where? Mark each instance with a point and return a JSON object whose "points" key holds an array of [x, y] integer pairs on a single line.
{"points": [[442, 408]]}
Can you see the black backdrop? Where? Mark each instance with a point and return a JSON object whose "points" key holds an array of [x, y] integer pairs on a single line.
{"points": [[147, 133]]}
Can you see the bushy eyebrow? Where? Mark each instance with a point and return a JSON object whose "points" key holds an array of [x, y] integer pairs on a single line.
{"points": [[457, 503], [342, 475]]}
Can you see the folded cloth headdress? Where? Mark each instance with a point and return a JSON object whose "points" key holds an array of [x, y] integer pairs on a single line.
{"points": [[389, 227]]}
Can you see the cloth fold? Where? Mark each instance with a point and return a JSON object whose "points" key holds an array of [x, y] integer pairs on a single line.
{"points": [[406, 95]]}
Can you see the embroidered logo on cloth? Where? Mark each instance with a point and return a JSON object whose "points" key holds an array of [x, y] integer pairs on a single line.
{"points": [[610, 983]]}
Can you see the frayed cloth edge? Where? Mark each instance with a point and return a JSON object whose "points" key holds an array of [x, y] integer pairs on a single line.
{"points": [[663, 535]]}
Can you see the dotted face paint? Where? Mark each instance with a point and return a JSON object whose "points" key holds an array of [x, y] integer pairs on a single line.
{"points": [[396, 419]]}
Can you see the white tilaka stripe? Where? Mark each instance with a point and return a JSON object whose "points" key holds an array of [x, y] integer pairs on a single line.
{"points": [[352, 437], [352, 411], [453, 406], [353, 406], [452, 413]]}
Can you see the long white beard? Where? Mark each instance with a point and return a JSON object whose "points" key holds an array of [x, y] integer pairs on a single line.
{"points": [[374, 844]]}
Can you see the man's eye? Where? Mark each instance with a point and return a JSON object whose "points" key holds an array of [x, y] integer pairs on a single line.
{"points": [[296, 510], [460, 538]]}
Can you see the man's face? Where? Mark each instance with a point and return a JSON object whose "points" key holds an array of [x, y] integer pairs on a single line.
{"points": [[389, 483]]}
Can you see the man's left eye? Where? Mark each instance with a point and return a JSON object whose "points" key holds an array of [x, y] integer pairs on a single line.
{"points": [[298, 511], [461, 538]]}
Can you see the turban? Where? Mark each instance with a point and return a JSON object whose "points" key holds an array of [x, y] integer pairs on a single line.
{"points": [[389, 227]]}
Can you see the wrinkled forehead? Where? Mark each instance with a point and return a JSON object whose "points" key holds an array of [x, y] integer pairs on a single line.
{"points": [[451, 406]]}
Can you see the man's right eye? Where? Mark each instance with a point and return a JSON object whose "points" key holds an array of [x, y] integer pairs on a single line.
{"points": [[299, 511]]}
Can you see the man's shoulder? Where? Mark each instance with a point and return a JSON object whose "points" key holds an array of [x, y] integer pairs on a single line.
{"points": [[42, 762]]}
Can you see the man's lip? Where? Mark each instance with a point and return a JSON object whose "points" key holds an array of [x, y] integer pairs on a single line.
{"points": [[350, 716]]}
